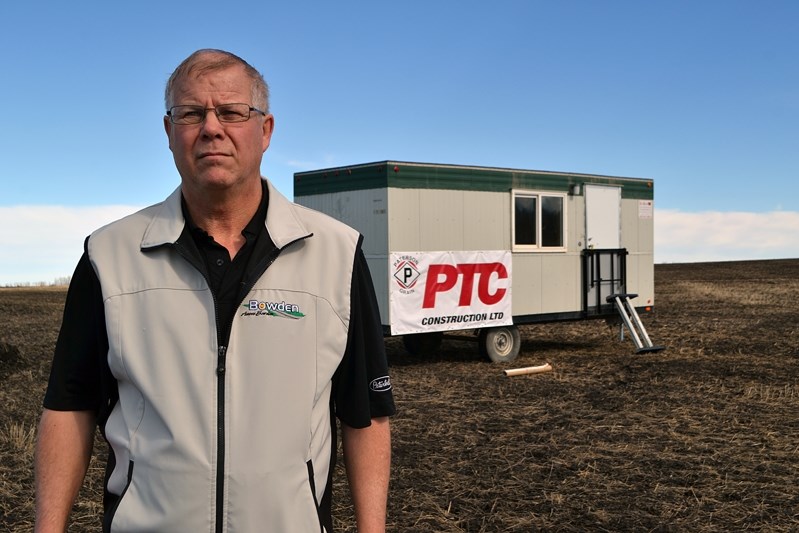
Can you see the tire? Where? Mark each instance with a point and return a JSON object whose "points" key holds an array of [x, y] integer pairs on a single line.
{"points": [[500, 344], [423, 343]]}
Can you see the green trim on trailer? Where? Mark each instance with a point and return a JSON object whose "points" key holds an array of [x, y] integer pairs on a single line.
{"points": [[403, 175]]}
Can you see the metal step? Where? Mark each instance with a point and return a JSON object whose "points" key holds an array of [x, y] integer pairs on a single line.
{"points": [[630, 318]]}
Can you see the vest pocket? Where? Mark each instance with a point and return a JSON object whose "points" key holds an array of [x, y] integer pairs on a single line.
{"points": [[112, 509]]}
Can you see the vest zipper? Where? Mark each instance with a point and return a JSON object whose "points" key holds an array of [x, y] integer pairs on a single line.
{"points": [[221, 365], [220, 435]]}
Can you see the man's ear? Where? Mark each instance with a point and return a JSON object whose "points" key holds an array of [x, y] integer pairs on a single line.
{"points": [[269, 127], [168, 129]]}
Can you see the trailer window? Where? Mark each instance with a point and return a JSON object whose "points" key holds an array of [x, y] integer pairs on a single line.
{"points": [[552, 221], [539, 221], [524, 222]]}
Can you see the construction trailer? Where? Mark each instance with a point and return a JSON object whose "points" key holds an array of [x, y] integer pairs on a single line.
{"points": [[454, 247]]}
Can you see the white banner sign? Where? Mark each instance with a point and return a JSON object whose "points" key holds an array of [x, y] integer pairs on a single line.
{"points": [[440, 291]]}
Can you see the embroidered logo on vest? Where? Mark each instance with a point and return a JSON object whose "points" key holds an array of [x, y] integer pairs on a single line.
{"points": [[279, 309]]}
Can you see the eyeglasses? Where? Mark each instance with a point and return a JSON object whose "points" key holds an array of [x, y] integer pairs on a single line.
{"points": [[195, 114]]}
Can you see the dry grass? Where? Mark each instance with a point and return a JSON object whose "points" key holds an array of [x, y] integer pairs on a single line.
{"points": [[702, 437], [19, 438]]}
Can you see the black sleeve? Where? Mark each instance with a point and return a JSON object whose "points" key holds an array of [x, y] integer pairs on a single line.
{"points": [[77, 373], [361, 386]]}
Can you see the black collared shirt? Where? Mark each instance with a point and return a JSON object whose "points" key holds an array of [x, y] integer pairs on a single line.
{"points": [[225, 275]]}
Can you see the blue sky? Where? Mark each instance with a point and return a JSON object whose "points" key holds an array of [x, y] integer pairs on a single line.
{"points": [[701, 96]]}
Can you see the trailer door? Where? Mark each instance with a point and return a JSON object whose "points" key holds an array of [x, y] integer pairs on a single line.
{"points": [[602, 217]]}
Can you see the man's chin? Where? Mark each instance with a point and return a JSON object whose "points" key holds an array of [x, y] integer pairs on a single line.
{"points": [[215, 181]]}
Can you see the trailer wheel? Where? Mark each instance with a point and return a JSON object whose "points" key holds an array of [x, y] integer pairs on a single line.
{"points": [[501, 344], [422, 343]]}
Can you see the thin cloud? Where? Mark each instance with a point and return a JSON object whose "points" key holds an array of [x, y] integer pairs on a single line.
{"points": [[43, 242], [327, 161], [293, 163], [682, 237]]}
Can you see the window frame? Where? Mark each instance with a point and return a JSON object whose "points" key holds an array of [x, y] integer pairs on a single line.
{"points": [[538, 195]]}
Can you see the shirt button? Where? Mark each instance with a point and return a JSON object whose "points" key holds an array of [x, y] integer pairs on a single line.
{"points": [[220, 262]]}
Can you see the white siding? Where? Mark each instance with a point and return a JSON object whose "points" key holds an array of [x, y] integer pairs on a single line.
{"points": [[637, 236], [432, 220], [403, 220], [546, 283], [366, 211]]}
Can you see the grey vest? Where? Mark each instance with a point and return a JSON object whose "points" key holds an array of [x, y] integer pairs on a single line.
{"points": [[261, 452]]}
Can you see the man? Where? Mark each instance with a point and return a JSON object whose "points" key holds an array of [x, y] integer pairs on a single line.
{"points": [[212, 337]]}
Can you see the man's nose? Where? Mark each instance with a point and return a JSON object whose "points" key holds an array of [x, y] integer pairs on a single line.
{"points": [[211, 125]]}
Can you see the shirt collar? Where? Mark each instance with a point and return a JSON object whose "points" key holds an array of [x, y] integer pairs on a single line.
{"points": [[168, 221], [250, 231]]}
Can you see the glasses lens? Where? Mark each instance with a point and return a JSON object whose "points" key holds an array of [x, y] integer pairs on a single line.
{"points": [[187, 114], [194, 114], [233, 112]]}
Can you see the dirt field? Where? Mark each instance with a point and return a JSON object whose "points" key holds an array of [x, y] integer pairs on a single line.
{"points": [[701, 437]]}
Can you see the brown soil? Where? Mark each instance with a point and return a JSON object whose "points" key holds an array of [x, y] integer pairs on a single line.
{"points": [[701, 437]]}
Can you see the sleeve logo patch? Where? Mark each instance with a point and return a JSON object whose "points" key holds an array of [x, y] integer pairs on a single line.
{"points": [[278, 309], [381, 384]]}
